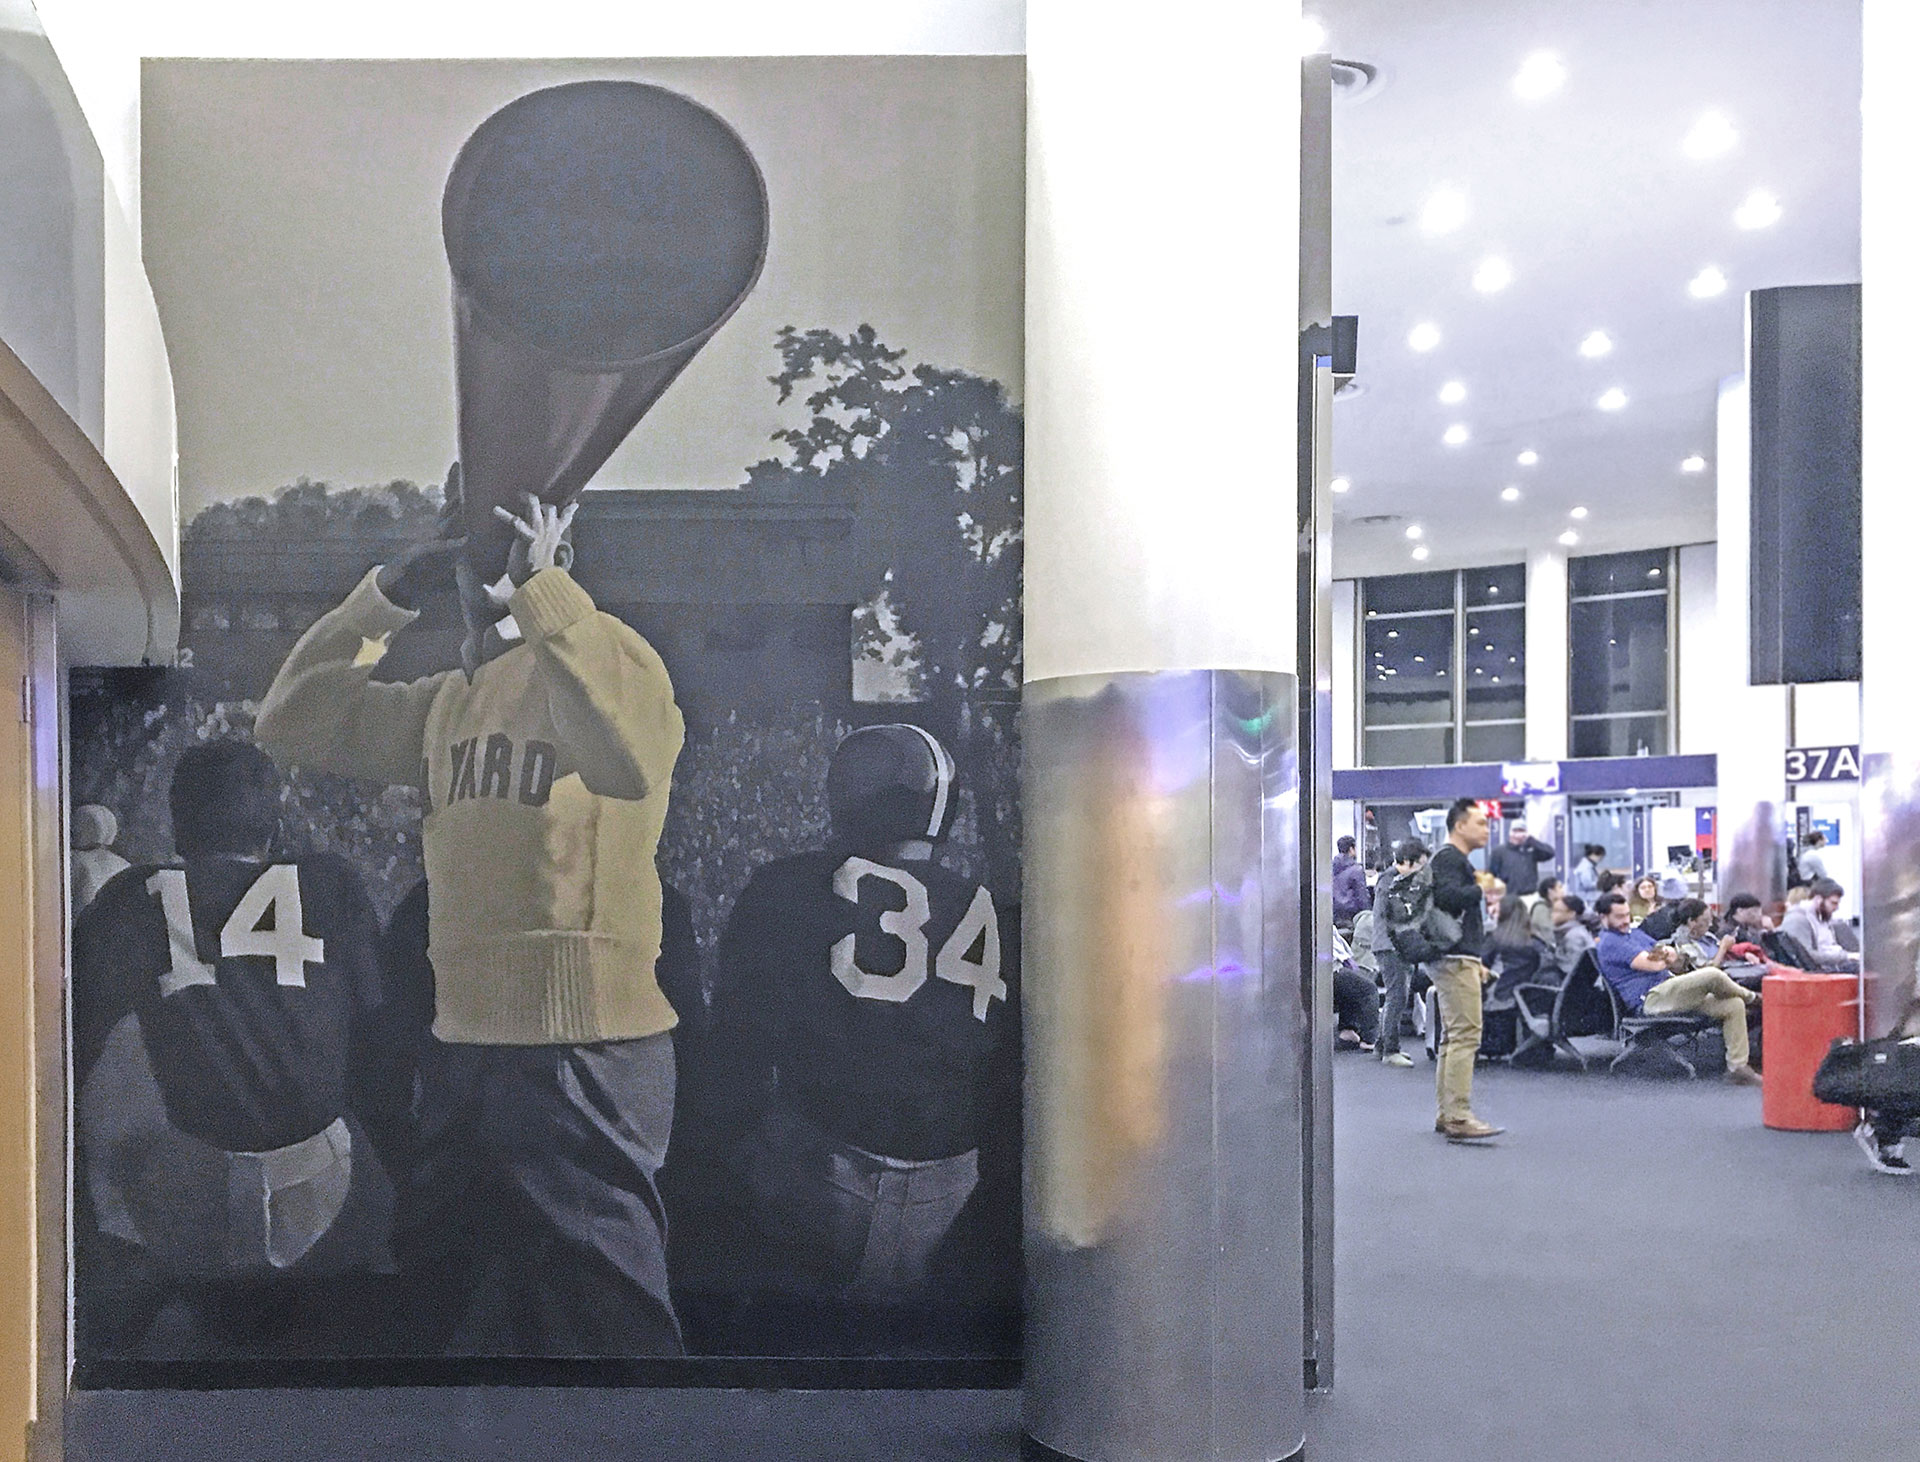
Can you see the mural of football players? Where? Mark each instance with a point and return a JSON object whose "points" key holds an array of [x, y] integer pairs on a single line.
{"points": [[223, 1007], [859, 1047], [531, 1221]]}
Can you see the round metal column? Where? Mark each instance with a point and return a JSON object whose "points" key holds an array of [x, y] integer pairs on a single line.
{"points": [[1164, 1035]]}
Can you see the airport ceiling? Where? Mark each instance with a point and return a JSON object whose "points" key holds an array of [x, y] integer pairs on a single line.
{"points": [[1541, 202]]}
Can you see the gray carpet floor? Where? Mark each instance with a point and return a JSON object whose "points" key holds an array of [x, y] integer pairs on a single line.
{"points": [[1639, 1270]]}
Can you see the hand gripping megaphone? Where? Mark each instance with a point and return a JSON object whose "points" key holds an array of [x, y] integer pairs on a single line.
{"points": [[598, 234]]}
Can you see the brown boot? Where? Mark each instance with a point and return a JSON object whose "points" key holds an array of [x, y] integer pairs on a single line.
{"points": [[1467, 1129]]}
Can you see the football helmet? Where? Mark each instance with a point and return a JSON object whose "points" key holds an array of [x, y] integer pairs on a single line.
{"points": [[890, 783]]}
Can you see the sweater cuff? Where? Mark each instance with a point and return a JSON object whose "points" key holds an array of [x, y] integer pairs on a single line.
{"points": [[548, 602], [372, 613]]}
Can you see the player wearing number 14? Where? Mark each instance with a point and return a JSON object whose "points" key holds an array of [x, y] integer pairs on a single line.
{"points": [[224, 1014]]}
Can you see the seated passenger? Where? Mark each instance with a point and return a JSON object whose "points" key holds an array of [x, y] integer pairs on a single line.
{"points": [[1571, 937], [1350, 894], [1493, 893], [1647, 980], [1540, 905], [1685, 924], [1356, 1000], [1745, 921], [1644, 899], [1811, 923]]}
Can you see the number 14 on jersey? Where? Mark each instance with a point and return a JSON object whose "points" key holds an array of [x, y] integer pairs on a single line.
{"points": [[286, 943]]}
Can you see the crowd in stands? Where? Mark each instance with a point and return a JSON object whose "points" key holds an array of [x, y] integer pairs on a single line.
{"points": [[1481, 939]]}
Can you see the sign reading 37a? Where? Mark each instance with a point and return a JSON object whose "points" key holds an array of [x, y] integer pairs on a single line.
{"points": [[1823, 764]]}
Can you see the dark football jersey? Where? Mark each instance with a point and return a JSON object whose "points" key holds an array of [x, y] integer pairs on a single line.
{"points": [[876, 991], [248, 980]]}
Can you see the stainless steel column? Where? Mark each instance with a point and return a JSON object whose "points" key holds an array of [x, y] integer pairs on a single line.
{"points": [[1313, 586], [1163, 1037]]}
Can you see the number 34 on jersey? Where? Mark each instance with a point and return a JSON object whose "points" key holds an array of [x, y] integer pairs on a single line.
{"points": [[969, 957]]}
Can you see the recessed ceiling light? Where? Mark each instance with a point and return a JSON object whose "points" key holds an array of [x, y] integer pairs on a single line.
{"points": [[1707, 283], [1507, 495], [1420, 553], [1653, 573], [1611, 399], [1528, 457], [1341, 484], [1597, 344], [1424, 336], [1414, 530], [1313, 36], [1540, 75], [1496, 680], [1443, 212], [1455, 435], [1492, 276], [1578, 513], [1759, 210], [1453, 393], [1569, 537], [1419, 659], [1695, 463], [1710, 136], [1393, 634], [1440, 672]]}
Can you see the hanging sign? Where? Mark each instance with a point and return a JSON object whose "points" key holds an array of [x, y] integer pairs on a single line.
{"points": [[1530, 778], [1823, 764]]}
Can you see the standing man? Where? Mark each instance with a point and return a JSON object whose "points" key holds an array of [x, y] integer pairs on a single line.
{"points": [[1459, 974], [1516, 862], [546, 1099], [1813, 858], [1395, 973], [1584, 877], [1349, 885]]}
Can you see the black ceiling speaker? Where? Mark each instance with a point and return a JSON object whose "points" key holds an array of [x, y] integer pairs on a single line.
{"points": [[1803, 374]]}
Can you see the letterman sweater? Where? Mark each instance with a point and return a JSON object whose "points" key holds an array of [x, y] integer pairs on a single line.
{"points": [[546, 780]]}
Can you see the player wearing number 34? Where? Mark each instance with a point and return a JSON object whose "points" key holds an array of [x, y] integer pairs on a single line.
{"points": [[860, 1002]]}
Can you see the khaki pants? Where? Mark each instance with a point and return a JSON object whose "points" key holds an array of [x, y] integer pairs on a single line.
{"points": [[1456, 982], [1712, 993]]}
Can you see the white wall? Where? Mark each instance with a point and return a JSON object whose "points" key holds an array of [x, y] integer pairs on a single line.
{"points": [[1827, 715], [1152, 545], [1547, 729], [1346, 661], [1699, 725]]}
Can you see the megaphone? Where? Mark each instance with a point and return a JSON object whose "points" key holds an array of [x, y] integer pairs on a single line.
{"points": [[598, 234]]}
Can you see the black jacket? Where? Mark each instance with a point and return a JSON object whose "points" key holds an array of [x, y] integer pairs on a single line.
{"points": [[1518, 865], [1455, 891]]}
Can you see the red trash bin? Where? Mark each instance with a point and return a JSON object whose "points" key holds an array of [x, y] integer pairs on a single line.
{"points": [[1805, 1013]]}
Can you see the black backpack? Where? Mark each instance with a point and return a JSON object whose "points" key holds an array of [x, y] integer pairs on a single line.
{"points": [[1418, 930], [1881, 1075]]}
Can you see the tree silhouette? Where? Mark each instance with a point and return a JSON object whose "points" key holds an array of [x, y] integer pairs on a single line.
{"points": [[933, 460]]}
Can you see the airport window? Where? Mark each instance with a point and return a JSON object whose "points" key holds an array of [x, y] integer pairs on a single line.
{"points": [[1620, 624], [1444, 667]]}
